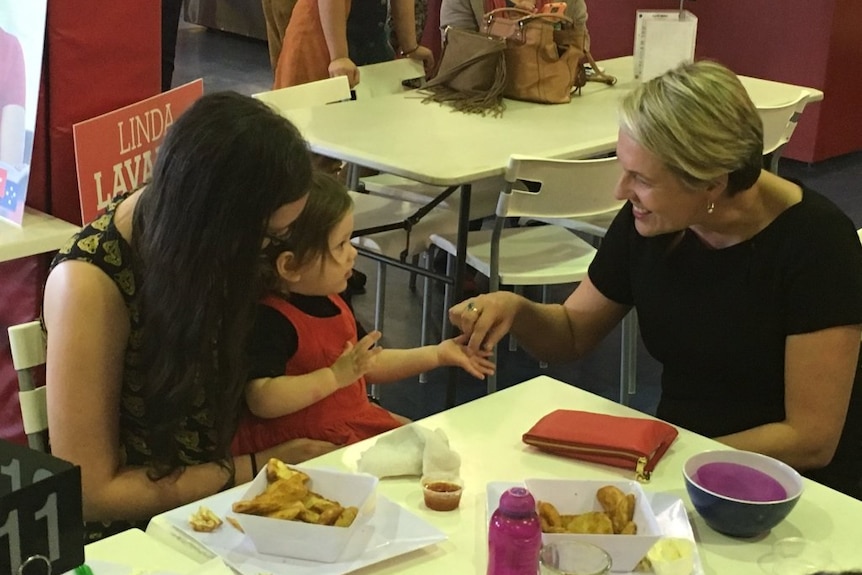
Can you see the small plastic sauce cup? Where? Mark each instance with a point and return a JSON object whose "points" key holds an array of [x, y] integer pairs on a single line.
{"points": [[672, 556], [442, 494]]}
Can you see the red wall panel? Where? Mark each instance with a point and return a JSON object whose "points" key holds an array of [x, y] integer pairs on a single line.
{"points": [[100, 55], [810, 43]]}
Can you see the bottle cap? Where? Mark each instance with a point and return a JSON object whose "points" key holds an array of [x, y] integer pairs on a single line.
{"points": [[517, 500]]}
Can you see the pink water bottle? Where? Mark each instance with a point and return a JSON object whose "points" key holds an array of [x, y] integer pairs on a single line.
{"points": [[514, 535]]}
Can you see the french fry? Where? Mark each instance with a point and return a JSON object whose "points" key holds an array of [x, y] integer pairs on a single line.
{"points": [[204, 520]]}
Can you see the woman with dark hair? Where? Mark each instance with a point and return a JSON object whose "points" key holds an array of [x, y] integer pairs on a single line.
{"points": [[148, 307]]}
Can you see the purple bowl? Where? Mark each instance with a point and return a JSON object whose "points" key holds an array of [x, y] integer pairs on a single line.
{"points": [[741, 493]]}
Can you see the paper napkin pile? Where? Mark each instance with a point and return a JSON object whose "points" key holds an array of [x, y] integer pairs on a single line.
{"points": [[411, 450]]}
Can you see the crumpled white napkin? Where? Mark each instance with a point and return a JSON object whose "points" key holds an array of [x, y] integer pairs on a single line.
{"points": [[411, 450]]}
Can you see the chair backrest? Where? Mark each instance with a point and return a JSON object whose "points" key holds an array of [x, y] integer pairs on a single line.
{"points": [[385, 78], [27, 342], [569, 188], [307, 95], [779, 122]]}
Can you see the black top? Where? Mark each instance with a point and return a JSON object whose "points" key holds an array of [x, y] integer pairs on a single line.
{"points": [[717, 319]]}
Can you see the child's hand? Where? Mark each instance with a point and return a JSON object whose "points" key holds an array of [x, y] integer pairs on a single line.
{"points": [[344, 67], [455, 352], [356, 360]]}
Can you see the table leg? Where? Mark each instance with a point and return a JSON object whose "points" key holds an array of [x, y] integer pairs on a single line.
{"points": [[458, 279]]}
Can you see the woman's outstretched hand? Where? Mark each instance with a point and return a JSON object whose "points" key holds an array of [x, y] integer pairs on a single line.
{"points": [[485, 319]]}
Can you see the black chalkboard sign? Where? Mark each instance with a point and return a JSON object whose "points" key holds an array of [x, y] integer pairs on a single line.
{"points": [[40, 512]]}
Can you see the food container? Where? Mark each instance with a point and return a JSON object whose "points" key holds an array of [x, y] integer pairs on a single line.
{"points": [[442, 494], [672, 556], [323, 543], [741, 493], [573, 496]]}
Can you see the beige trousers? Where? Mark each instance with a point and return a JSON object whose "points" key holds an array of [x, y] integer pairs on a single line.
{"points": [[277, 14]]}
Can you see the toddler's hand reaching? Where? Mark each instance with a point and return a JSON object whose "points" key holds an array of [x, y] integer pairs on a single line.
{"points": [[356, 360], [455, 352]]}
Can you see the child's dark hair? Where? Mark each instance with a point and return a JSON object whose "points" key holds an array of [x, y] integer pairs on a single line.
{"points": [[328, 202]]}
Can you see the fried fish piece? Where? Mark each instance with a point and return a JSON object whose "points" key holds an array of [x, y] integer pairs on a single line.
{"points": [[591, 522], [282, 493], [204, 520], [291, 511], [619, 506]]}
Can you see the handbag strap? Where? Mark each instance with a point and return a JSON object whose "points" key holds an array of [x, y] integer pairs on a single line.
{"points": [[525, 16]]}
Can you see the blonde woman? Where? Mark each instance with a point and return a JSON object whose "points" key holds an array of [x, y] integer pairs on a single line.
{"points": [[748, 287]]}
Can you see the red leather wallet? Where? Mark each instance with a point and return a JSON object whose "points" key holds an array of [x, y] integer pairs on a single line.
{"points": [[628, 442]]}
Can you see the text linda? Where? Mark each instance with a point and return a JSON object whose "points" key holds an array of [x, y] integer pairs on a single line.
{"points": [[140, 135]]}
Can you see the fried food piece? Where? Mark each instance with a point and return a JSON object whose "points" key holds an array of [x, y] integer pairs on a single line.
{"points": [[290, 511], [631, 528], [288, 497], [282, 493], [619, 506], [595, 522], [277, 469], [348, 514], [205, 520], [549, 517], [330, 516]]}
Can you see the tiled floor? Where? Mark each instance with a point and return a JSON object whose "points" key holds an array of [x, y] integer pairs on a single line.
{"points": [[231, 62]]}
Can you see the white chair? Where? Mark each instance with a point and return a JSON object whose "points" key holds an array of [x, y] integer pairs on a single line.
{"points": [[27, 343], [307, 95], [779, 122], [548, 254], [596, 226]]}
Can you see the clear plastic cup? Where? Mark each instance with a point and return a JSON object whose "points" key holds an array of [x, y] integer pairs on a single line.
{"points": [[800, 556], [573, 558]]}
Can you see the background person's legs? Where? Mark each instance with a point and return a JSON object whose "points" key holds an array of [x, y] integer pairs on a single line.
{"points": [[170, 22], [277, 15]]}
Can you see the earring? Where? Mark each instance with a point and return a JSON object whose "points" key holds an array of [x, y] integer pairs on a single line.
{"points": [[710, 207]]}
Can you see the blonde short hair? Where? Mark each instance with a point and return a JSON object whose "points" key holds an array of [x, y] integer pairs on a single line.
{"points": [[699, 119]]}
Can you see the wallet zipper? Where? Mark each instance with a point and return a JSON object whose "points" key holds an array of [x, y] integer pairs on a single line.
{"points": [[641, 461]]}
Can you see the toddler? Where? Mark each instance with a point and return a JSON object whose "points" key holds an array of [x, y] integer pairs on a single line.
{"points": [[310, 360]]}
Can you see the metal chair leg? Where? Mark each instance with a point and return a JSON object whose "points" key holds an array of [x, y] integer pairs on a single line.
{"points": [[426, 311], [628, 357], [545, 290]]}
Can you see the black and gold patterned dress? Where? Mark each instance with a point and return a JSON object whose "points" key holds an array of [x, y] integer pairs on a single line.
{"points": [[101, 244]]}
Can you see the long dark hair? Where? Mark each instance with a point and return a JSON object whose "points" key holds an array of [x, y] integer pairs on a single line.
{"points": [[224, 167]]}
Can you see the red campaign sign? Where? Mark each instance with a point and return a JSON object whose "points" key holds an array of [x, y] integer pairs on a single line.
{"points": [[115, 152]]}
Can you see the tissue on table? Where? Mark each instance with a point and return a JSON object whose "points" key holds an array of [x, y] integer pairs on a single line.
{"points": [[411, 450]]}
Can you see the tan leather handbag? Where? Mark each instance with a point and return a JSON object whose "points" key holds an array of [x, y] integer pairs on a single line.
{"points": [[543, 59]]}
